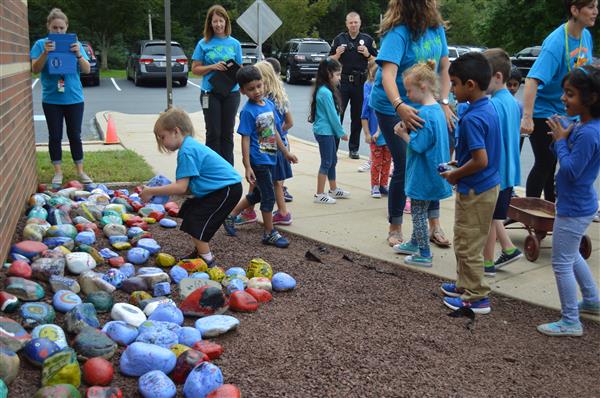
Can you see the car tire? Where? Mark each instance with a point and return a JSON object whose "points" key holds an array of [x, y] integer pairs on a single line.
{"points": [[127, 73], [289, 77], [183, 82], [136, 78], [96, 81]]}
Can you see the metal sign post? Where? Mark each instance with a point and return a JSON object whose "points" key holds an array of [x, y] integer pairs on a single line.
{"points": [[168, 54], [260, 22]]}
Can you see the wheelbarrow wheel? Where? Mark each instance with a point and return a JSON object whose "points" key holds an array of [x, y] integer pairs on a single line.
{"points": [[532, 247], [585, 247]]}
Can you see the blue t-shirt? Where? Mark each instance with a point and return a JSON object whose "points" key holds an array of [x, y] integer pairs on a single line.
{"points": [[206, 169], [217, 49], [579, 162], [461, 108], [327, 120], [428, 147], [398, 47], [551, 66], [479, 129], [509, 117], [369, 115], [260, 123], [73, 89]]}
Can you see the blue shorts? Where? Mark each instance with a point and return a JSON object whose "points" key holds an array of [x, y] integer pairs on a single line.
{"points": [[282, 169], [263, 191], [501, 210]]}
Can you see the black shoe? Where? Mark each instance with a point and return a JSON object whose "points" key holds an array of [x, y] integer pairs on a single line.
{"points": [[354, 155], [506, 259]]}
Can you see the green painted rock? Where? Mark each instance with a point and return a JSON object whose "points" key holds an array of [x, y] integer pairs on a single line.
{"points": [[58, 391], [24, 289], [3, 390], [101, 300], [63, 230], [110, 219], [165, 260], [92, 343], [81, 317], [33, 232], [61, 368]]}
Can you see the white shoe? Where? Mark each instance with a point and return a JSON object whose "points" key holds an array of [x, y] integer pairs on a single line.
{"points": [[366, 166], [324, 199], [339, 193]]}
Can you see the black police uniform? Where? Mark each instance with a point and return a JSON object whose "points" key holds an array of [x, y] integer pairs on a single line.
{"points": [[354, 75]]}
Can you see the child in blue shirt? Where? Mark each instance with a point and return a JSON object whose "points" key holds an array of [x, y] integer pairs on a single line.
{"points": [[213, 182], [477, 182], [260, 143], [427, 147]]}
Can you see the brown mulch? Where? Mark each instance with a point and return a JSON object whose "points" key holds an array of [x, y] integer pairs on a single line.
{"points": [[360, 327]]}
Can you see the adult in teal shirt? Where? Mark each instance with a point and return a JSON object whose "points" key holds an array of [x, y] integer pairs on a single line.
{"points": [[567, 47], [62, 97], [210, 56]]}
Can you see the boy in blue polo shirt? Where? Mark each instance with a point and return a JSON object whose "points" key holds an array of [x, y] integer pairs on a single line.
{"points": [[477, 180]]}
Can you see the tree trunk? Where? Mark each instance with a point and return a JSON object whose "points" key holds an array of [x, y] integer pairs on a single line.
{"points": [[104, 47]]}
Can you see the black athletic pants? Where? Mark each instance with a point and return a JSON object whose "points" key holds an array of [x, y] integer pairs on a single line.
{"points": [[541, 176], [219, 119]]}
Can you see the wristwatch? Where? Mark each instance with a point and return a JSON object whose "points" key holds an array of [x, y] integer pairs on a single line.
{"points": [[445, 101]]}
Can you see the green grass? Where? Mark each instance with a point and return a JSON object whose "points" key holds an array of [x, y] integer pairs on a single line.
{"points": [[102, 166], [116, 73]]}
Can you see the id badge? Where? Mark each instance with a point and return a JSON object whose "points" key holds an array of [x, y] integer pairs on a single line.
{"points": [[60, 85], [204, 100]]}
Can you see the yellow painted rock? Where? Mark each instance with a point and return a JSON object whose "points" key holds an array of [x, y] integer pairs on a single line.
{"points": [[126, 216], [216, 273], [165, 260], [193, 265], [179, 349], [149, 220], [138, 296], [122, 245], [259, 267]]}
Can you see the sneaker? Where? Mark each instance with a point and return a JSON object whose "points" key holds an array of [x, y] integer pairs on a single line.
{"points": [[366, 166], [596, 217], [561, 329], [57, 179], [287, 196], [481, 306], [375, 193], [229, 225], [324, 199], [339, 193], [278, 219], [354, 155], [489, 270], [406, 248], [85, 179], [589, 308], [419, 261], [246, 217], [384, 190], [275, 239], [506, 259], [450, 290], [407, 206]]}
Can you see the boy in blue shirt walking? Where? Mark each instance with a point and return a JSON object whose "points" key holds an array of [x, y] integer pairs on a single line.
{"points": [[477, 180]]}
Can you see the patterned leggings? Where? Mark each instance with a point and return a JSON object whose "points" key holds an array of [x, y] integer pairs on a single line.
{"points": [[420, 234]]}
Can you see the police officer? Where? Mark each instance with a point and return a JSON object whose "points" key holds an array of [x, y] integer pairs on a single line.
{"points": [[353, 49]]}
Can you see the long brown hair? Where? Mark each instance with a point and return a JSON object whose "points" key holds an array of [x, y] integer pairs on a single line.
{"points": [[417, 15], [208, 29]]}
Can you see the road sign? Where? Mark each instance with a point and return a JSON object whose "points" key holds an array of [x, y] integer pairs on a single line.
{"points": [[260, 22]]}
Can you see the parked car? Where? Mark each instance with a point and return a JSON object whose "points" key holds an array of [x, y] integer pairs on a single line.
{"points": [[147, 61], [525, 58], [92, 78], [249, 53], [453, 53], [300, 58]]}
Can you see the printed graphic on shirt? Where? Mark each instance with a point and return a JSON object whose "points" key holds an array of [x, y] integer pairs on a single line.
{"points": [[220, 53], [428, 49], [579, 57], [265, 127]]}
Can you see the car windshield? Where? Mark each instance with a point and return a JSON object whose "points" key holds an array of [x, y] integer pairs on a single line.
{"points": [[452, 53], [248, 50], [314, 48], [160, 49]]}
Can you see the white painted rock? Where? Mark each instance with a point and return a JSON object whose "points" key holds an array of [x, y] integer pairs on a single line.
{"points": [[79, 262], [215, 325], [128, 313]]}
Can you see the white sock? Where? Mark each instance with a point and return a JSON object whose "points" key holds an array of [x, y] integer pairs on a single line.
{"points": [[207, 256]]}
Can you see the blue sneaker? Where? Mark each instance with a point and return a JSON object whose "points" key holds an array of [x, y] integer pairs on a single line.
{"points": [[406, 248], [481, 306], [287, 196], [419, 261], [275, 239], [384, 190], [229, 225], [589, 308], [450, 290], [489, 270], [561, 329]]}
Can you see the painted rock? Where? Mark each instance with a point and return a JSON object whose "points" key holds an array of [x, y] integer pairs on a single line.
{"points": [[35, 314], [103, 392], [200, 275], [19, 269], [187, 361], [89, 282], [215, 325], [161, 289], [235, 277], [116, 207], [64, 301], [8, 302], [241, 301], [165, 260], [150, 305], [188, 285], [3, 389], [167, 313], [12, 334], [225, 391], [204, 301], [43, 268], [29, 248], [203, 379], [79, 262], [234, 285], [24, 289], [282, 282], [116, 261], [149, 244], [140, 358], [62, 230], [259, 267], [59, 241], [86, 237], [153, 279], [138, 296], [159, 336], [167, 223], [179, 349], [115, 277], [156, 215], [260, 283], [149, 271], [38, 199], [81, 316], [38, 212], [120, 332], [34, 232], [235, 271], [138, 255], [261, 295], [189, 336], [127, 269], [9, 364], [132, 232], [58, 282], [38, 350], [107, 253], [156, 384], [110, 219], [133, 284], [127, 313], [120, 245], [61, 368], [51, 332], [91, 343], [216, 273], [150, 326], [102, 301], [193, 265], [177, 273], [58, 391]]}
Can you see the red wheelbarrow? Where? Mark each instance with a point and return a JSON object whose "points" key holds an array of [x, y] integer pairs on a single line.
{"points": [[537, 216]]}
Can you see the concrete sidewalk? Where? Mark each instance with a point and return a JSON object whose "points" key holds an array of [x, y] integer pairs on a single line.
{"points": [[360, 224]]}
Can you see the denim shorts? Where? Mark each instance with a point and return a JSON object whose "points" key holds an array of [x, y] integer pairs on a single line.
{"points": [[263, 191]]}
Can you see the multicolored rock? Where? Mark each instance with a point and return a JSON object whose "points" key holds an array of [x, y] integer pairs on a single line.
{"points": [[259, 267], [91, 343], [61, 230], [35, 314], [187, 361], [34, 232], [8, 302], [61, 368], [80, 317], [140, 358], [179, 349], [128, 313], [29, 248], [188, 285], [138, 296], [51, 332], [260, 283], [115, 277], [150, 305], [203, 379], [58, 391], [65, 300], [233, 285], [38, 350], [193, 265], [101, 300], [9, 364], [215, 325], [205, 301], [24, 289], [103, 392], [91, 281], [58, 282], [44, 268], [242, 301], [156, 384]]}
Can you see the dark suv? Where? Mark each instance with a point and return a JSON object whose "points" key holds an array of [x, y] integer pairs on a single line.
{"points": [[300, 58], [147, 61], [525, 58], [93, 78]]}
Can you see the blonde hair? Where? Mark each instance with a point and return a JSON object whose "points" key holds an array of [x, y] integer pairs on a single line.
{"points": [[273, 85], [56, 13], [208, 29], [371, 70], [424, 73], [417, 15], [171, 120]]}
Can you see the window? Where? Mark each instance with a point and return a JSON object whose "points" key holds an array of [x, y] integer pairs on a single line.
{"points": [[160, 49], [315, 47]]}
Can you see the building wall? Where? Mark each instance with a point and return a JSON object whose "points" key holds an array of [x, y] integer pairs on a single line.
{"points": [[18, 178]]}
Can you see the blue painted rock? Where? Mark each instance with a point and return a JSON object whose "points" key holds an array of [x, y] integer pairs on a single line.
{"points": [[91, 343], [62, 230], [12, 334], [37, 350], [29, 248], [86, 237], [65, 300], [234, 285], [59, 241], [51, 332], [60, 216], [177, 273], [19, 269], [9, 364], [58, 282], [138, 255], [235, 271], [153, 279], [159, 336], [24, 289], [133, 284], [204, 301], [149, 244], [189, 336], [34, 232], [167, 223], [127, 269], [38, 212], [140, 358], [102, 301], [61, 368], [117, 238], [150, 305], [134, 231], [8, 302], [187, 361], [156, 384], [167, 313], [235, 277], [158, 207], [189, 285], [107, 253], [115, 277], [202, 380], [120, 332], [43, 268], [98, 371], [58, 391], [259, 267], [282, 282], [161, 289], [215, 325], [158, 181], [259, 282], [150, 326], [19, 257], [200, 275], [79, 262], [83, 315], [242, 301], [149, 271], [35, 314], [127, 313]]}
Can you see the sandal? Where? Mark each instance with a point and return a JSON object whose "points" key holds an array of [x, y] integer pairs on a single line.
{"points": [[439, 238], [394, 238]]}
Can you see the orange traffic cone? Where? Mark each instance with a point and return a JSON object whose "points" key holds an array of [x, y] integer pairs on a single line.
{"points": [[111, 132]]}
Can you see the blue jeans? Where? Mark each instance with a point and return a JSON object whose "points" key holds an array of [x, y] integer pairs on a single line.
{"points": [[73, 116], [397, 196], [420, 233], [263, 191], [570, 269], [328, 152]]}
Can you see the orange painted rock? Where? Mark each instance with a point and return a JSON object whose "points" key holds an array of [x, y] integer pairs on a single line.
{"points": [[193, 265], [132, 220], [157, 215], [261, 295], [225, 391], [241, 301], [211, 349]]}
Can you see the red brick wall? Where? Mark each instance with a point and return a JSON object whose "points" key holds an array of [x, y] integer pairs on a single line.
{"points": [[18, 176]]}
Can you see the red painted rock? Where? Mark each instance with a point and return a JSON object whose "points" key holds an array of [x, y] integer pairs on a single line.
{"points": [[116, 261], [132, 220], [103, 392], [88, 227], [170, 205], [241, 301], [8, 302], [187, 361], [173, 212], [19, 268], [261, 295], [142, 224], [74, 184], [136, 206], [204, 301], [42, 187], [157, 215], [97, 372], [211, 349], [225, 391]]}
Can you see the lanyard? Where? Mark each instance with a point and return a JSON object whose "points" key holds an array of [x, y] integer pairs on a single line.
{"points": [[567, 52]]}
